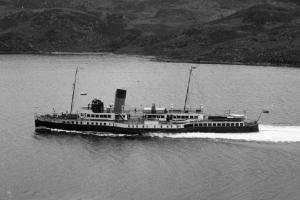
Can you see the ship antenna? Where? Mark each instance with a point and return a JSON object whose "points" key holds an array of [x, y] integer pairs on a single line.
{"points": [[74, 85], [188, 87]]}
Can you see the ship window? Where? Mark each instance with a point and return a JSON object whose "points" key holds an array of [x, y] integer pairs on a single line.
{"points": [[154, 126], [195, 124], [72, 122], [87, 123], [81, 123], [96, 123], [227, 124], [128, 126], [160, 126], [219, 124], [92, 115], [109, 116], [223, 124], [104, 124], [88, 115], [63, 122], [241, 124], [100, 124], [167, 126], [232, 124], [97, 116], [200, 124], [92, 123], [214, 124]]}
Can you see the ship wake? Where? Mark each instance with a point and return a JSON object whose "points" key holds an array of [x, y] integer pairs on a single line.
{"points": [[267, 133]]}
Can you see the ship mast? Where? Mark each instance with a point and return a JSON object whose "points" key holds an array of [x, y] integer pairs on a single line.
{"points": [[188, 87], [74, 85]]}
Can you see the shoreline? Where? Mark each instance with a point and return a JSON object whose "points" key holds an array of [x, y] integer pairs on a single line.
{"points": [[152, 57]]}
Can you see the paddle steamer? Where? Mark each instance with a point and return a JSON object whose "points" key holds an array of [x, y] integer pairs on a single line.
{"points": [[97, 119]]}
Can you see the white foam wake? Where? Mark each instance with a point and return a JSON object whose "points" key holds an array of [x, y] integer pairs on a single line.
{"points": [[267, 133]]}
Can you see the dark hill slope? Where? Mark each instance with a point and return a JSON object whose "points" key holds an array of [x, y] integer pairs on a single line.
{"points": [[260, 34], [60, 30], [248, 31]]}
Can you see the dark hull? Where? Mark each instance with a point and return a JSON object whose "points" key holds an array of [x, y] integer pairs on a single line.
{"points": [[40, 125]]}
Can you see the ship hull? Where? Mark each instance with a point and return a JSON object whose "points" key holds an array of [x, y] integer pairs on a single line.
{"points": [[43, 125]]}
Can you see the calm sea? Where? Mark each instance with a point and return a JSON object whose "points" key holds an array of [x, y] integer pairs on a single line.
{"points": [[264, 165]]}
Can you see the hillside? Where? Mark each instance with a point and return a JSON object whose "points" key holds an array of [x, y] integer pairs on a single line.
{"points": [[233, 31], [261, 34]]}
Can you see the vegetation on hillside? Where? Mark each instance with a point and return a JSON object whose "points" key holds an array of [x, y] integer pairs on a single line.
{"points": [[218, 31]]}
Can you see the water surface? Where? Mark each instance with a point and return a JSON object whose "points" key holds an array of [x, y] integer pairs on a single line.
{"points": [[263, 165]]}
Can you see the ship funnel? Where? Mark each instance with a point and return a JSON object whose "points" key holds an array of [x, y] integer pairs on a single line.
{"points": [[119, 100]]}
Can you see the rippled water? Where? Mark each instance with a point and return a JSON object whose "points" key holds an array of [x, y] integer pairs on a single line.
{"points": [[264, 165]]}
